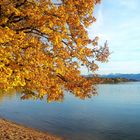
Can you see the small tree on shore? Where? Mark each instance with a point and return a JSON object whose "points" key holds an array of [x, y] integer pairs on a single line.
{"points": [[43, 45]]}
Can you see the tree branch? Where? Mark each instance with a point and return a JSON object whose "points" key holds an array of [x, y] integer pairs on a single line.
{"points": [[20, 4]]}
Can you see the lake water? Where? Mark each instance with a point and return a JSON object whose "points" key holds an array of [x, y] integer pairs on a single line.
{"points": [[112, 115]]}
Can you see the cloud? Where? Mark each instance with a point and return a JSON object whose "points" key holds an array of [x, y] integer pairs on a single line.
{"points": [[118, 22], [120, 67], [96, 29], [131, 4], [96, 26], [100, 19]]}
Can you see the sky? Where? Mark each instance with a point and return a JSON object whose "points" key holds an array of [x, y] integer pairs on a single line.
{"points": [[118, 22]]}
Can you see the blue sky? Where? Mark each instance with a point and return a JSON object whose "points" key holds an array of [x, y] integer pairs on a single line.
{"points": [[118, 21]]}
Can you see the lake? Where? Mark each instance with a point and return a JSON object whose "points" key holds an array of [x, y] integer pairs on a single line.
{"points": [[112, 115]]}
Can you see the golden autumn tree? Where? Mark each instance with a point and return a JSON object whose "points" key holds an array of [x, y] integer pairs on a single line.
{"points": [[44, 43]]}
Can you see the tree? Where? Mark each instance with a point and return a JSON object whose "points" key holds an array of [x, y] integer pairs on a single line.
{"points": [[43, 45]]}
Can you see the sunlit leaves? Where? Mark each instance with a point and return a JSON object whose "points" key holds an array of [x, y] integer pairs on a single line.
{"points": [[43, 45]]}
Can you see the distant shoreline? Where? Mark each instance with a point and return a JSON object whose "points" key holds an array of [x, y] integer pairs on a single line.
{"points": [[13, 131], [102, 80], [130, 77]]}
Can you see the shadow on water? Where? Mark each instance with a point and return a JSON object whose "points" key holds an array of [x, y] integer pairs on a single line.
{"points": [[112, 115]]}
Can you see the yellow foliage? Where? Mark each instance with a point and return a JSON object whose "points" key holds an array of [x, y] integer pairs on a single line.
{"points": [[43, 44]]}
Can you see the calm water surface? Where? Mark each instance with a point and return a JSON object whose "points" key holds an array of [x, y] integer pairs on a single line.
{"points": [[112, 115]]}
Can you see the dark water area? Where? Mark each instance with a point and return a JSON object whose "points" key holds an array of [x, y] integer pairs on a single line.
{"points": [[112, 115]]}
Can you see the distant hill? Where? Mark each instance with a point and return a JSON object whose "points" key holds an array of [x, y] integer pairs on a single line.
{"points": [[127, 76], [103, 80]]}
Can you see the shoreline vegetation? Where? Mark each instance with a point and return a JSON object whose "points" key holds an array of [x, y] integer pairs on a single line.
{"points": [[12, 131], [101, 80]]}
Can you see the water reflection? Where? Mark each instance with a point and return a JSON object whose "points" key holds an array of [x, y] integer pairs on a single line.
{"points": [[7, 94], [112, 115], [83, 90]]}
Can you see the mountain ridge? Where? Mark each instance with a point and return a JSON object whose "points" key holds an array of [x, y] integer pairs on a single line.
{"points": [[121, 75]]}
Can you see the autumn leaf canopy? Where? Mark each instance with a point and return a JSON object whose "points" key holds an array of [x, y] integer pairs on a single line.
{"points": [[44, 44]]}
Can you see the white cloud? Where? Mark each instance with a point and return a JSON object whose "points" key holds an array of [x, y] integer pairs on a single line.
{"points": [[131, 4], [100, 19], [97, 28], [118, 22], [119, 67]]}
